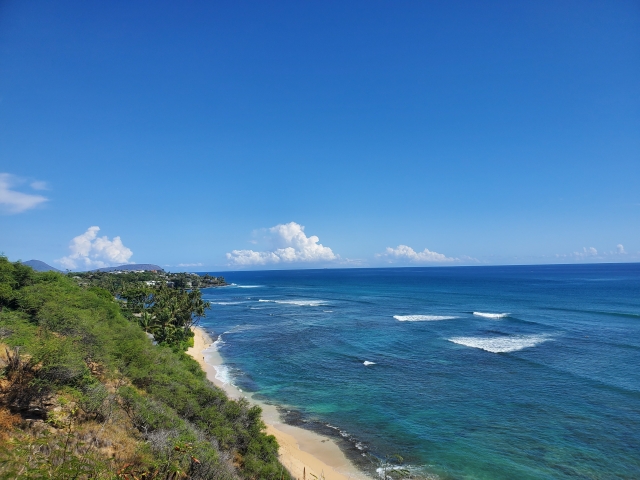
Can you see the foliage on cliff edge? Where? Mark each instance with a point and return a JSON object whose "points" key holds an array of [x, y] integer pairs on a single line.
{"points": [[85, 394]]}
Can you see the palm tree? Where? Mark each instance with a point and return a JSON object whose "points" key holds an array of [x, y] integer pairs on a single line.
{"points": [[146, 321]]}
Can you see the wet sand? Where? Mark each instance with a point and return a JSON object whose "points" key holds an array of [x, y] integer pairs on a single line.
{"points": [[304, 453]]}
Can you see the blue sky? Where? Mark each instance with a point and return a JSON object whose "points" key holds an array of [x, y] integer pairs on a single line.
{"points": [[207, 133]]}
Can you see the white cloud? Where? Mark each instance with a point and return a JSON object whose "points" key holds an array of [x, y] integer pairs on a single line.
{"points": [[12, 201], [586, 252], [39, 185], [289, 244], [190, 265], [90, 251], [405, 253], [592, 254]]}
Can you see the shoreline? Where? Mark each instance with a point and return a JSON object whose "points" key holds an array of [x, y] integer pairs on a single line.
{"points": [[304, 453]]}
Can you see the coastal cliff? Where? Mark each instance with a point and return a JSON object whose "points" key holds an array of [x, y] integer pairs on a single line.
{"points": [[85, 394]]}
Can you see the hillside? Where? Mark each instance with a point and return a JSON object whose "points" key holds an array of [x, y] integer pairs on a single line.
{"points": [[131, 267], [84, 393], [40, 266]]}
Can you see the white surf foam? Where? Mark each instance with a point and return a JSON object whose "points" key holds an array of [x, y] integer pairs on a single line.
{"points": [[422, 318], [413, 470], [367, 363], [386, 472], [299, 303], [248, 286], [223, 374], [227, 303], [491, 315], [241, 328], [303, 303], [218, 342], [501, 344]]}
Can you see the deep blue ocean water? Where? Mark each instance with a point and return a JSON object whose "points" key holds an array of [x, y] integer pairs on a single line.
{"points": [[547, 385]]}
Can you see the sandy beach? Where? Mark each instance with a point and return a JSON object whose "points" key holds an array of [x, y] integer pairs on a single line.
{"points": [[304, 453]]}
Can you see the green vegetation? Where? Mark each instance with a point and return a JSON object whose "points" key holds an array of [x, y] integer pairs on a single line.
{"points": [[165, 305], [85, 394], [117, 281]]}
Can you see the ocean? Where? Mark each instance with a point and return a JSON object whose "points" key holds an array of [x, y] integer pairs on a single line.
{"points": [[510, 372]]}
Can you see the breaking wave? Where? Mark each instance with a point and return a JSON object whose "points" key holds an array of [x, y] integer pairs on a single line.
{"points": [[218, 342], [300, 303], [223, 374], [501, 344], [422, 318], [491, 315]]}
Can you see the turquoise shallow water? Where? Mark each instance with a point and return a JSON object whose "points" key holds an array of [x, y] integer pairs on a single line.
{"points": [[542, 381]]}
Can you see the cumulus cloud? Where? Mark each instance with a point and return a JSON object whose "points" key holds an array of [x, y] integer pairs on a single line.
{"points": [[586, 252], [289, 244], [13, 201], [592, 254], [90, 251], [406, 253]]}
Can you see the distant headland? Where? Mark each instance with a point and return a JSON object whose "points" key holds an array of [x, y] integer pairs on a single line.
{"points": [[132, 267], [40, 266]]}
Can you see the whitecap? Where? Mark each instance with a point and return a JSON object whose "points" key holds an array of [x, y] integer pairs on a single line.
{"points": [[299, 303], [248, 286], [303, 303], [422, 318], [367, 363], [242, 328], [491, 315], [501, 344], [227, 303]]}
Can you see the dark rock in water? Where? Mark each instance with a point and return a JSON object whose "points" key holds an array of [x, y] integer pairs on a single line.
{"points": [[131, 267], [40, 266]]}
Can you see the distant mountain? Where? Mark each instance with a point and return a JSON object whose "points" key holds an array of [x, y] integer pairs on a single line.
{"points": [[40, 266], [130, 267]]}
